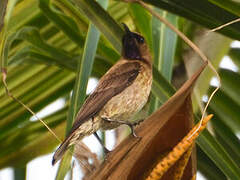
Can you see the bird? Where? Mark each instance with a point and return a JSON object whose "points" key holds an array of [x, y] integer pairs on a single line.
{"points": [[120, 94]]}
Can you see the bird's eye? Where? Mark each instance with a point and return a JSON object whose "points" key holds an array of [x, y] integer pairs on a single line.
{"points": [[139, 38]]}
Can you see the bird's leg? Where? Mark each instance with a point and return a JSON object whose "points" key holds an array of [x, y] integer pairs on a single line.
{"points": [[129, 124], [100, 141]]}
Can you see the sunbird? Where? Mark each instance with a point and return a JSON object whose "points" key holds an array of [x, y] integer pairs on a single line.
{"points": [[120, 94]]}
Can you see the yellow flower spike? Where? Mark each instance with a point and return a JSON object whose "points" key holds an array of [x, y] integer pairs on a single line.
{"points": [[179, 170], [169, 160]]}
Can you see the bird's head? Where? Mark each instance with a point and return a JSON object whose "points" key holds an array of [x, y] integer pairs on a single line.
{"points": [[134, 46]]}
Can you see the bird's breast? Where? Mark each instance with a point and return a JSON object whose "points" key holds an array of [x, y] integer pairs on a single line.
{"points": [[125, 105]]}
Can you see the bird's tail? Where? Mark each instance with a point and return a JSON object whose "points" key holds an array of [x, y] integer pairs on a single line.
{"points": [[62, 149], [76, 133]]}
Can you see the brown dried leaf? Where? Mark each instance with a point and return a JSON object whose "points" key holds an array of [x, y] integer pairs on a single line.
{"points": [[135, 157]]}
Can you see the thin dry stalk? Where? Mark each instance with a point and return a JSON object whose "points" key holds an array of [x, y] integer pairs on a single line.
{"points": [[224, 25], [4, 77], [78, 146]]}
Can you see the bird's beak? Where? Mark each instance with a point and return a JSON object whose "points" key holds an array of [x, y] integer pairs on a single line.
{"points": [[126, 29]]}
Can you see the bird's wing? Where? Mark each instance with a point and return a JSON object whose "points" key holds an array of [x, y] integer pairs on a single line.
{"points": [[112, 83]]}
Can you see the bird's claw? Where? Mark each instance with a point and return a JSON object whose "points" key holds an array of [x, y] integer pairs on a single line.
{"points": [[132, 130]]}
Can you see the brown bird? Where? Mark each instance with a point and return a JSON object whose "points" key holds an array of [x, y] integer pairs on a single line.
{"points": [[121, 93]]}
